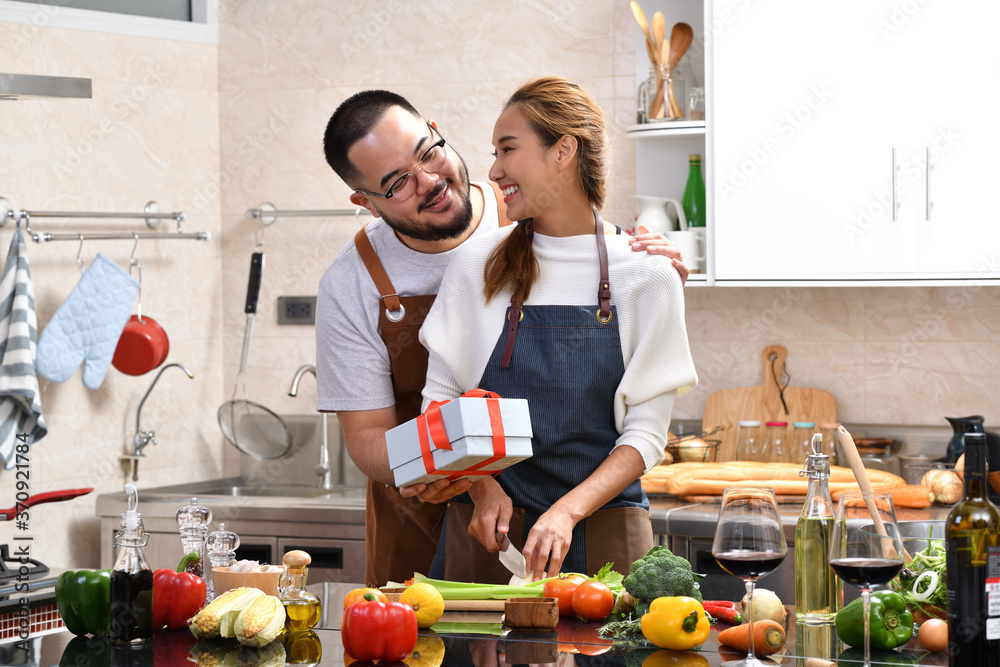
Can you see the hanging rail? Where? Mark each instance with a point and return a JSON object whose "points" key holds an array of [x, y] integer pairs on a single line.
{"points": [[150, 214], [266, 214]]}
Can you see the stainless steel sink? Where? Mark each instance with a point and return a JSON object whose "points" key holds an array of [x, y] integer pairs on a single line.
{"points": [[237, 487]]}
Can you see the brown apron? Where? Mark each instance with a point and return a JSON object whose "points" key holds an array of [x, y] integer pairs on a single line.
{"points": [[401, 534]]}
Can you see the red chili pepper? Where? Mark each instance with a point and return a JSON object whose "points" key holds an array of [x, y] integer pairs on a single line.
{"points": [[719, 603], [379, 630], [723, 612], [177, 595]]}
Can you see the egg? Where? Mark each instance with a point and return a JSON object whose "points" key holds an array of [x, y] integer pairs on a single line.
{"points": [[933, 635]]}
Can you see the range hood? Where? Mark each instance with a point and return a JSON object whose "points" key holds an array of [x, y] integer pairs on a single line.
{"points": [[27, 86]]}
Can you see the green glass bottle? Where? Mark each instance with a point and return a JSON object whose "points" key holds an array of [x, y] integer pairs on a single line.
{"points": [[693, 200]]}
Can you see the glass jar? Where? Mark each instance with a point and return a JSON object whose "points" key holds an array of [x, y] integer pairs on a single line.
{"points": [[675, 92], [876, 453], [644, 96], [748, 443], [696, 104], [829, 433], [775, 447], [801, 446]]}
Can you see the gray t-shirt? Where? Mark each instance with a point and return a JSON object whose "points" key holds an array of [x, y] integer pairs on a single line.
{"points": [[352, 362]]}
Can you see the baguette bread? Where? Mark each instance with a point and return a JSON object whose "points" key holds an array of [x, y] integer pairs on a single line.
{"points": [[701, 479]]}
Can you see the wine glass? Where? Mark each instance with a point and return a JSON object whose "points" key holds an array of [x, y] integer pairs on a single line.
{"points": [[749, 542], [865, 546]]}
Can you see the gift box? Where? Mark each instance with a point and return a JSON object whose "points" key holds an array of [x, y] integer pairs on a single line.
{"points": [[468, 437]]}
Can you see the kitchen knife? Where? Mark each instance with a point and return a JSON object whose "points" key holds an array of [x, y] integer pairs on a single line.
{"points": [[510, 557], [49, 497]]}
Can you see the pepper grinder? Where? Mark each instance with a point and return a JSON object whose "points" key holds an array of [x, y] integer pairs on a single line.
{"points": [[222, 546], [193, 520]]}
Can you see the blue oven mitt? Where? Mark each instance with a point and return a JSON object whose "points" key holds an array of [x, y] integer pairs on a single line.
{"points": [[88, 325]]}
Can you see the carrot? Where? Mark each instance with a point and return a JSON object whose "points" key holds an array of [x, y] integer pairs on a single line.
{"points": [[913, 496], [768, 637]]}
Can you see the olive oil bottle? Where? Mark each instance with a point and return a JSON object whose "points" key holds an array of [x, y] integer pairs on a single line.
{"points": [[818, 591], [302, 608]]}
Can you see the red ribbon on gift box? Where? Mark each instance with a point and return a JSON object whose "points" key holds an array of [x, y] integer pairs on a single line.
{"points": [[430, 428]]}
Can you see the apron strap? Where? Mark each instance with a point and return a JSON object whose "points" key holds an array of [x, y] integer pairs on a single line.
{"points": [[604, 286], [377, 272], [603, 295]]}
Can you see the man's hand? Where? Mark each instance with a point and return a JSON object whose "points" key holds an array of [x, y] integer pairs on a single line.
{"points": [[492, 514], [657, 244], [438, 491]]}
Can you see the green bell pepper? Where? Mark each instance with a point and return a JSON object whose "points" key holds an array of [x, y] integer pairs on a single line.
{"points": [[84, 601], [890, 622]]}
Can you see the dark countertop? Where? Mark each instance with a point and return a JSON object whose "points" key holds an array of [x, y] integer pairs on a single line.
{"points": [[572, 643]]}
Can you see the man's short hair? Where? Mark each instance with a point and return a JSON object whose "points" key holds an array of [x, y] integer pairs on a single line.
{"points": [[352, 120]]}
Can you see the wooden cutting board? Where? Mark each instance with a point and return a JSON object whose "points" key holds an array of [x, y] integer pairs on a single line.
{"points": [[727, 407]]}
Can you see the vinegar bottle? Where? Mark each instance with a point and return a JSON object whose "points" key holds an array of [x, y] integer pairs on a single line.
{"points": [[131, 580], [818, 591], [302, 608], [972, 550]]}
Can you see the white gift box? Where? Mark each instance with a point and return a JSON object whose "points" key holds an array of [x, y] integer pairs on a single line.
{"points": [[467, 423]]}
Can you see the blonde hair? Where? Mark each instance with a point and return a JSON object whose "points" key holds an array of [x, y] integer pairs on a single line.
{"points": [[554, 107]]}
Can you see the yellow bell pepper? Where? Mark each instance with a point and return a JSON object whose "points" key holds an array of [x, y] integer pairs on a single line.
{"points": [[665, 658], [677, 623]]}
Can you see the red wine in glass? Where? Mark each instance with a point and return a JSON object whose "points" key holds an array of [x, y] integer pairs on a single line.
{"points": [[748, 564], [866, 572]]}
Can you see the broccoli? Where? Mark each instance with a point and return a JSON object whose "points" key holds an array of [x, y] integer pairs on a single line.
{"points": [[660, 573]]}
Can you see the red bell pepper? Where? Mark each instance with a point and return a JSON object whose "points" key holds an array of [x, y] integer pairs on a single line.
{"points": [[379, 630], [177, 595]]}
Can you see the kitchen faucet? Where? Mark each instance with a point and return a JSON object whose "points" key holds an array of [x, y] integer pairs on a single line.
{"points": [[323, 467], [143, 437]]}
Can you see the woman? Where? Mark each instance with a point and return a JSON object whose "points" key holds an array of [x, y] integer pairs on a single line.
{"points": [[591, 334]]}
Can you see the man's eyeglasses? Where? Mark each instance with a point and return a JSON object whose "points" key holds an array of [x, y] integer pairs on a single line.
{"points": [[404, 186]]}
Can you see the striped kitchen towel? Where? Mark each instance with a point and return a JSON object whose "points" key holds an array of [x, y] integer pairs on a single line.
{"points": [[21, 419]]}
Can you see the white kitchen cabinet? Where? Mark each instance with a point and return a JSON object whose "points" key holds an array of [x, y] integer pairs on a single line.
{"points": [[808, 104]]}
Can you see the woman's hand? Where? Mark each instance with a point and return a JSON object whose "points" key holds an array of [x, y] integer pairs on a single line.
{"points": [[492, 514], [548, 540], [657, 244]]}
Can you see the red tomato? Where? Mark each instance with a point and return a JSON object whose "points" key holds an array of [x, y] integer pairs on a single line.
{"points": [[562, 589], [593, 600]]}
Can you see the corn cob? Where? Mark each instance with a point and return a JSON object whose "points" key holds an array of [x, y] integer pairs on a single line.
{"points": [[220, 614], [261, 621]]}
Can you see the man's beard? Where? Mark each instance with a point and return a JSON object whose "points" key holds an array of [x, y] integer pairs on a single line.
{"points": [[458, 225]]}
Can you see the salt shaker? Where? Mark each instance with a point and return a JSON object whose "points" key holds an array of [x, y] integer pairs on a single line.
{"points": [[222, 546], [193, 520]]}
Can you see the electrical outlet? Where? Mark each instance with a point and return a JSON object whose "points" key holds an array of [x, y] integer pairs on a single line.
{"points": [[296, 310]]}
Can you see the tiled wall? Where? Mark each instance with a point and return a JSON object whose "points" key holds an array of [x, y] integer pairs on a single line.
{"points": [[215, 131], [149, 132]]}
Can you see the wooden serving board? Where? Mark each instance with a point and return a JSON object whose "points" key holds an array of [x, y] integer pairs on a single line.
{"points": [[727, 407], [717, 500]]}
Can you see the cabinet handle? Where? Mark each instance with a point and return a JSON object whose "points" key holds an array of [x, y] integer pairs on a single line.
{"points": [[927, 189], [894, 204]]}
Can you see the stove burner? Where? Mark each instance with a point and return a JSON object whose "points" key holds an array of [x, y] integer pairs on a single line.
{"points": [[12, 571]]}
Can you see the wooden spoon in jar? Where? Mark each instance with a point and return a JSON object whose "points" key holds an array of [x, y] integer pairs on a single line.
{"points": [[640, 18], [681, 36]]}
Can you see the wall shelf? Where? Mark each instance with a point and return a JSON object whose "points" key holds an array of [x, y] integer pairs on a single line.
{"points": [[671, 128]]}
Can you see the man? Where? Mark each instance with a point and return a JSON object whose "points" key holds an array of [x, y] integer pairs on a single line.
{"points": [[374, 297]]}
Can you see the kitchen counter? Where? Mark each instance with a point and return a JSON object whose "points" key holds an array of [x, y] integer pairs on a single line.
{"points": [[572, 642]]}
